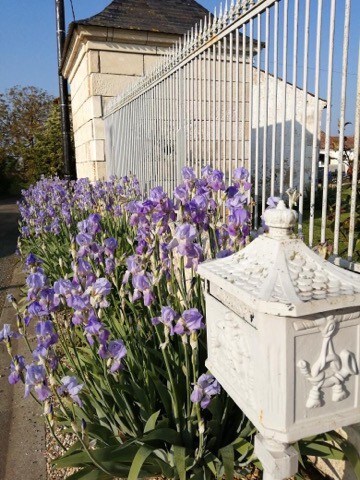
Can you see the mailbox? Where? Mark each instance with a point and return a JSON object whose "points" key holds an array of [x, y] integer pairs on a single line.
{"points": [[283, 328]]}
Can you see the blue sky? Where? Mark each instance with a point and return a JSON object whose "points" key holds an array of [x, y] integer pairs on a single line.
{"points": [[28, 40], [28, 44]]}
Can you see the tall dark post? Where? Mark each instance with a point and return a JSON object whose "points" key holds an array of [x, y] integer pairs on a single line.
{"points": [[69, 164]]}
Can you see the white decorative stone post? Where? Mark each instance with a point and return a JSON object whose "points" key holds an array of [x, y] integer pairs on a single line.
{"points": [[283, 330]]}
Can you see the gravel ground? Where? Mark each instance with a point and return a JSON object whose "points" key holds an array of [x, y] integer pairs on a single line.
{"points": [[8, 239]]}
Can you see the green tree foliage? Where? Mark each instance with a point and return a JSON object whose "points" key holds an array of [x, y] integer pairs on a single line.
{"points": [[30, 137], [47, 156]]}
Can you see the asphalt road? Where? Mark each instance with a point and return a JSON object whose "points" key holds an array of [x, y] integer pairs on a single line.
{"points": [[9, 216], [22, 439]]}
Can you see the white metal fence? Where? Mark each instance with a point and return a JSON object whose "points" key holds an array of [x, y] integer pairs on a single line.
{"points": [[272, 85]]}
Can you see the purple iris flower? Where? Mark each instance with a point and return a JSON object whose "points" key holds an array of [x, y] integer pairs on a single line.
{"points": [[110, 246], [84, 239], [6, 333], [239, 216], [36, 310], [79, 302], [32, 260], [168, 317], [238, 200], [142, 283], [231, 191], [109, 266], [91, 225], [181, 193], [36, 377], [93, 329], [190, 321], [157, 194], [116, 351], [41, 354], [205, 388], [83, 267], [36, 281], [46, 334], [241, 173], [206, 171], [98, 291], [63, 287], [188, 174], [224, 253], [71, 387], [48, 300], [241, 176], [273, 201], [102, 286], [216, 180], [16, 366], [185, 235]]}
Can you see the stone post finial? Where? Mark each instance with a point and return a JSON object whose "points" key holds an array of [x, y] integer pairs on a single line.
{"points": [[280, 220]]}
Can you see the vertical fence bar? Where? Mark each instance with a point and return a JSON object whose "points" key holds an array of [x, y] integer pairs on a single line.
{"points": [[266, 108], [147, 134], [214, 108], [225, 52], [144, 148], [141, 143], [196, 101], [131, 107], [328, 122], [284, 81], [172, 130], [315, 152], [237, 95], [161, 134], [219, 96], [304, 117], [186, 124], [342, 126], [154, 131], [294, 89], [169, 131], [230, 110], [274, 129], [243, 93], [192, 111], [251, 76], [354, 183], [203, 99], [208, 106], [199, 139], [256, 189]]}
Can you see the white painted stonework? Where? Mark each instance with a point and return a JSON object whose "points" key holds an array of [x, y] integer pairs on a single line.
{"points": [[284, 339], [100, 63]]}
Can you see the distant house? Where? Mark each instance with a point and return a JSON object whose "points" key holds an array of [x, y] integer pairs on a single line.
{"points": [[348, 153]]}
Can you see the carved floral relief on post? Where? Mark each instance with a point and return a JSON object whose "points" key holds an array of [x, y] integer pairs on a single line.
{"points": [[330, 370]]}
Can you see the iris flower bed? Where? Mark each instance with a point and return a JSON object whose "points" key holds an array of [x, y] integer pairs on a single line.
{"points": [[117, 310]]}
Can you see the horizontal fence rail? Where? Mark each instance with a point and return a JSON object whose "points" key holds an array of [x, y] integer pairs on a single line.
{"points": [[272, 85]]}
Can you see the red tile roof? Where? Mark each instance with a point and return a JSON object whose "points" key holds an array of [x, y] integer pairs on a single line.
{"points": [[334, 142]]}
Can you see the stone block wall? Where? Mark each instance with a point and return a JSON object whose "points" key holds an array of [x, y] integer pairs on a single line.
{"points": [[99, 65]]}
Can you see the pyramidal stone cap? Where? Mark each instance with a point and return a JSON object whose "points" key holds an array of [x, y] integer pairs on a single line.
{"points": [[278, 274]]}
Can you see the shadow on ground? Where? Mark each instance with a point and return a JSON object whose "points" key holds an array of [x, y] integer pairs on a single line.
{"points": [[9, 216]]}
